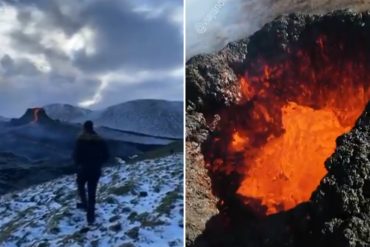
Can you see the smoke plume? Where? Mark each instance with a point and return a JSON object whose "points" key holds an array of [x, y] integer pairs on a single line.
{"points": [[211, 24]]}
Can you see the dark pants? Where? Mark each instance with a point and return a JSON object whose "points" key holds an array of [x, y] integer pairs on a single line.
{"points": [[90, 178]]}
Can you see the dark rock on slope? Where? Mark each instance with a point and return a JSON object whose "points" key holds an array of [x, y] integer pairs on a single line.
{"points": [[342, 202], [211, 82], [211, 79], [37, 115], [339, 211], [18, 172]]}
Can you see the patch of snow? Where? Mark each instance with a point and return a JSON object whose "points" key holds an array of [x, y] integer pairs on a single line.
{"points": [[65, 112]]}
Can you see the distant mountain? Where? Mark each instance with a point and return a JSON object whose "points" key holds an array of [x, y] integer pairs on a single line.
{"points": [[3, 119], [37, 136], [65, 112], [151, 117]]}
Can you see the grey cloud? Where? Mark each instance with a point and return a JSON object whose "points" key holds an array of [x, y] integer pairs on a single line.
{"points": [[7, 62], [20, 67], [24, 16], [124, 38], [20, 92], [52, 9], [127, 39], [31, 43]]}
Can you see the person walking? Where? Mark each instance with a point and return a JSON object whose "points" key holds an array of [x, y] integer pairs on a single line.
{"points": [[89, 154]]}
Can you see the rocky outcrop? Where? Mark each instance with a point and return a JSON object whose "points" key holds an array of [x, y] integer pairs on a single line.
{"points": [[210, 79], [211, 83], [342, 201]]}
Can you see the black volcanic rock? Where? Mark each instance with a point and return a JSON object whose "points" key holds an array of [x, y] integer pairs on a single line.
{"points": [[342, 201], [339, 211], [211, 78], [211, 83]]}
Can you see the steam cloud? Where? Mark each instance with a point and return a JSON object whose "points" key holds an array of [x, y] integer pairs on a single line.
{"points": [[211, 24]]}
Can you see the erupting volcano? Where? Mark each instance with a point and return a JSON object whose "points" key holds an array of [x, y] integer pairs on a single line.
{"points": [[33, 115], [294, 104], [278, 136]]}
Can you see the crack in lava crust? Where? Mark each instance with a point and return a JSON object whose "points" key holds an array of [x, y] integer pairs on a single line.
{"points": [[293, 107]]}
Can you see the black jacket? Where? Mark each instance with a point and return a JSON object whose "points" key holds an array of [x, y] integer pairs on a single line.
{"points": [[90, 151]]}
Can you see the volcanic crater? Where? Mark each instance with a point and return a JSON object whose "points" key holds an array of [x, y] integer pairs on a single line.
{"points": [[266, 166]]}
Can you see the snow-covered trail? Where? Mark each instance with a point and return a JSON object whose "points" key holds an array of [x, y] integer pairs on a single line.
{"points": [[138, 204]]}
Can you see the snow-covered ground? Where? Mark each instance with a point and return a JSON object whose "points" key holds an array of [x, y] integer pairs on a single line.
{"points": [[139, 204]]}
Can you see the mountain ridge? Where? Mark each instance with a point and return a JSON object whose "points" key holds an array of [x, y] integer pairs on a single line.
{"points": [[154, 117], [65, 112]]}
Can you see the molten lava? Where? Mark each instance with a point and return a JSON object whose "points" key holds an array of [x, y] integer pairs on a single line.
{"points": [[292, 110], [36, 112], [288, 168]]}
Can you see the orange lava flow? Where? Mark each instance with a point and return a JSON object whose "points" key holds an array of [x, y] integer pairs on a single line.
{"points": [[36, 114], [287, 169], [288, 120]]}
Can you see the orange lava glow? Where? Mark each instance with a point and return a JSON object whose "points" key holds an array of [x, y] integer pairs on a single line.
{"points": [[36, 114], [288, 168], [291, 112]]}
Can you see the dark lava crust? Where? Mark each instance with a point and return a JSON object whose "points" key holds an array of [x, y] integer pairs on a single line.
{"points": [[338, 213]]}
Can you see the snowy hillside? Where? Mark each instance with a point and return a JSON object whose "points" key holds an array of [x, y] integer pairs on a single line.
{"points": [[152, 117], [65, 112], [139, 204]]}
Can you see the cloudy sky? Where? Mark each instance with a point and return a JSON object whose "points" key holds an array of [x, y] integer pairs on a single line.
{"points": [[91, 53]]}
